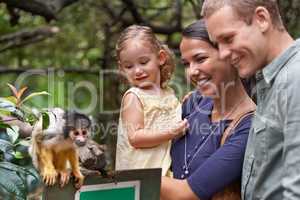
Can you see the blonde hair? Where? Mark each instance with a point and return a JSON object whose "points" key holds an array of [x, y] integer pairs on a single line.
{"points": [[146, 34], [245, 9]]}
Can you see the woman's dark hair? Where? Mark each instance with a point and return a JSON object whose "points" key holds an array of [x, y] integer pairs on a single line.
{"points": [[197, 30]]}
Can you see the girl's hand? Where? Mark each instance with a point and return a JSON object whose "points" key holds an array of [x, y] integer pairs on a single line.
{"points": [[180, 128]]}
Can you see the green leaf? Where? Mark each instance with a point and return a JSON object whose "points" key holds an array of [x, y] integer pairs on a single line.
{"points": [[18, 155], [18, 181], [4, 112], [4, 125], [13, 133], [24, 143], [46, 120], [13, 89], [4, 102], [31, 114], [31, 118], [4, 136], [5, 146], [11, 111], [7, 108], [12, 99], [18, 114], [12, 179], [93, 53], [33, 95]]}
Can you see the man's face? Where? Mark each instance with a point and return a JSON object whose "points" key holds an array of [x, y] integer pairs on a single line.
{"points": [[243, 44]]}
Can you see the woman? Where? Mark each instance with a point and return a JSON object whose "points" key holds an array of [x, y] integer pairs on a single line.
{"points": [[210, 156]]}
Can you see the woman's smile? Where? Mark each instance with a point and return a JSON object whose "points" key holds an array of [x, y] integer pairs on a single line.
{"points": [[203, 81]]}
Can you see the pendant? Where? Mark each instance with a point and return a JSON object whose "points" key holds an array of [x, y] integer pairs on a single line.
{"points": [[186, 172]]}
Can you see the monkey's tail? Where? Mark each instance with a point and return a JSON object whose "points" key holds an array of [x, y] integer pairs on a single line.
{"points": [[37, 134]]}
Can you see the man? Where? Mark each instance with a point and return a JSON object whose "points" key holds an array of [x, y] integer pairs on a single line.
{"points": [[251, 35]]}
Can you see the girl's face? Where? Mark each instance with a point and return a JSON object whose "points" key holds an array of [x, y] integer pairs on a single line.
{"points": [[204, 68], [141, 64]]}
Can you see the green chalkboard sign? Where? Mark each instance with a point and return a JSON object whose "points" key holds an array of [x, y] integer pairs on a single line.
{"points": [[113, 191], [138, 184]]}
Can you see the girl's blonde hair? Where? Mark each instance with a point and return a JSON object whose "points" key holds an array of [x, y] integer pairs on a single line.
{"points": [[146, 34]]}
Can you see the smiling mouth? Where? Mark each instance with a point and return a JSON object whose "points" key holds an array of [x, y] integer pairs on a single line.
{"points": [[140, 78], [203, 81]]}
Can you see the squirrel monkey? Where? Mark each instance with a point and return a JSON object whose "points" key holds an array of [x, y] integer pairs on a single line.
{"points": [[55, 146]]}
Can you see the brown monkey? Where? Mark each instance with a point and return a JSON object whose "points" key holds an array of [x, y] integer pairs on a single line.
{"points": [[54, 147]]}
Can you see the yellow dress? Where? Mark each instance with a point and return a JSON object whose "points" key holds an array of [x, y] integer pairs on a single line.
{"points": [[160, 113]]}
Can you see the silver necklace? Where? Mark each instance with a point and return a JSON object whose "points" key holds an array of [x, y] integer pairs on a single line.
{"points": [[188, 164]]}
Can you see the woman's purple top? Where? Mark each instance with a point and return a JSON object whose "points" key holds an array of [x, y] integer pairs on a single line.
{"points": [[210, 167]]}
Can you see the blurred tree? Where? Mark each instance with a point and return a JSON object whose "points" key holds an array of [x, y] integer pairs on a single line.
{"points": [[47, 9], [81, 54], [291, 15], [90, 28]]}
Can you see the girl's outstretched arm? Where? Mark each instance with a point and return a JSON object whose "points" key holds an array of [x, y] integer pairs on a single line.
{"points": [[175, 189], [133, 120]]}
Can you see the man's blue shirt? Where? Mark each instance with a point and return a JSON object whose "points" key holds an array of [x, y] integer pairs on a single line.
{"points": [[272, 161]]}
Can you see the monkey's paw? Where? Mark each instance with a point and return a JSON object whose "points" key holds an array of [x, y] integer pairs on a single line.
{"points": [[49, 177], [79, 181], [64, 178]]}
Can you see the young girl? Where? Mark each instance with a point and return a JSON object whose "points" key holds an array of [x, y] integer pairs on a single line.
{"points": [[150, 113]]}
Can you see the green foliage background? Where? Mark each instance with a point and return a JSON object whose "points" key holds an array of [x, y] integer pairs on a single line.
{"points": [[80, 44], [86, 40]]}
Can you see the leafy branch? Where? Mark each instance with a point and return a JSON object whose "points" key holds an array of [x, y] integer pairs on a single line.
{"points": [[15, 160]]}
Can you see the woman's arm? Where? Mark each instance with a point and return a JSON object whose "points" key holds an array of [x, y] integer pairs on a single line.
{"points": [[224, 166], [175, 189], [133, 119]]}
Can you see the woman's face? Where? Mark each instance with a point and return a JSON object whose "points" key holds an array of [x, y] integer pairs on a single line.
{"points": [[204, 69]]}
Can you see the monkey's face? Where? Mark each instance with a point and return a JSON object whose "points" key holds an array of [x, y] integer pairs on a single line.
{"points": [[79, 136]]}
